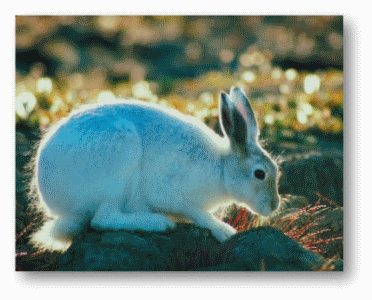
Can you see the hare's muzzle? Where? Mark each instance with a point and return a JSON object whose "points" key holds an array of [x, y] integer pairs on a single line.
{"points": [[274, 204], [271, 204]]}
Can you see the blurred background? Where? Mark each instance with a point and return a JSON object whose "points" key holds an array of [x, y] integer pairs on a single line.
{"points": [[290, 66]]}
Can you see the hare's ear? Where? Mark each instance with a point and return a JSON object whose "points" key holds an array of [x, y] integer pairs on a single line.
{"points": [[241, 102], [233, 124], [226, 118]]}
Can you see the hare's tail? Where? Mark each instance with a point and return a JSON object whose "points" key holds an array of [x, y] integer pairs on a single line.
{"points": [[56, 234]]}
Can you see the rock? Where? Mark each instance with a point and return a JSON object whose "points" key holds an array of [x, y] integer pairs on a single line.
{"points": [[309, 174], [95, 251], [268, 249], [187, 248]]}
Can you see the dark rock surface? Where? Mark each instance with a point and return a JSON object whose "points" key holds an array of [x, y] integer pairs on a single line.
{"points": [[268, 249], [188, 248], [309, 174]]}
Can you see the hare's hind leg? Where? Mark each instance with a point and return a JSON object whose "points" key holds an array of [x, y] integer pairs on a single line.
{"points": [[126, 211], [123, 207]]}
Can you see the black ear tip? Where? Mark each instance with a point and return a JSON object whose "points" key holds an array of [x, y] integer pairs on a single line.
{"points": [[236, 93], [234, 89], [223, 96]]}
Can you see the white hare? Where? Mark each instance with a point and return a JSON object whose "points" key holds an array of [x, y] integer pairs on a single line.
{"points": [[126, 165]]}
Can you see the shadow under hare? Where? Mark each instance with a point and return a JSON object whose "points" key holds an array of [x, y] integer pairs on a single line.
{"points": [[125, 166]]}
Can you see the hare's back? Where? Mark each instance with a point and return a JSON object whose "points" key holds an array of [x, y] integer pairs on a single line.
{"points": [[92, 144], [161, 127], [100, 135]]}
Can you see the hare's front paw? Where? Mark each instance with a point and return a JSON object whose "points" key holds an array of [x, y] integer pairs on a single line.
{"points": [[158, 222], [223, 231]]}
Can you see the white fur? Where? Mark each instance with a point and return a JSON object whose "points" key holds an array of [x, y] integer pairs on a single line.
{"points": [[126, 165]]}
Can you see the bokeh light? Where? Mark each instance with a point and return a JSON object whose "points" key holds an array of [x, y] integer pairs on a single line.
{"points": [[249, 76], [44, 85], [25, 103], [311, 83], [226, 55], [291, 74], [106, 97]]}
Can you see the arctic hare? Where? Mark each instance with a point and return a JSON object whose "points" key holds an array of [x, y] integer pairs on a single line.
{"points": [[126, 165]]}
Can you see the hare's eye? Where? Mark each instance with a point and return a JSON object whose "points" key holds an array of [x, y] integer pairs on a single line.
{"points": [[259, 174]]}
